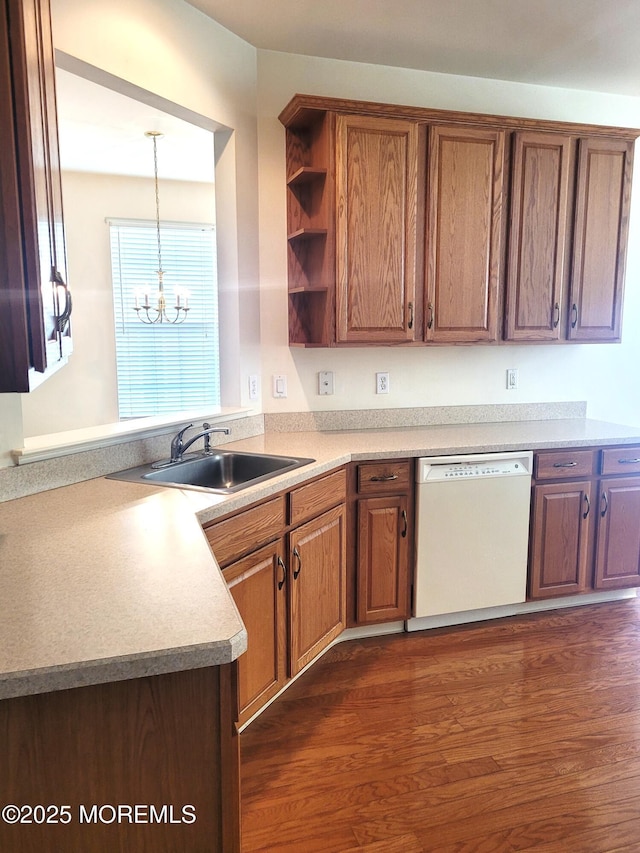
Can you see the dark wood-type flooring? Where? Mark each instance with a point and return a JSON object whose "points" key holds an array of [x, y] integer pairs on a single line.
{"points": [[519, 734]]}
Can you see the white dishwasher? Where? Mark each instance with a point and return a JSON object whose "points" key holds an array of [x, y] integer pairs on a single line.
{"points": [[472, 531]]}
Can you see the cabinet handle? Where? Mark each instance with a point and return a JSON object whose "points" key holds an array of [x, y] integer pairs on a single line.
{"points": [[564, 464], [430, 309], [605, 505], [574, 315], [629, 461], [410, 324], [556, 315], [588, 503], [284, 572], [405, 529], [385, 478], [296, 571], [62, 317]]}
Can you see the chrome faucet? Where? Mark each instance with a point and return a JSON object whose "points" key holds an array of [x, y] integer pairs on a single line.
{"points": [[179, 446]]}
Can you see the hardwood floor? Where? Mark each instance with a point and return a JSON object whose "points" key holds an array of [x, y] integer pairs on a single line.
{"points": [[519, 734]]}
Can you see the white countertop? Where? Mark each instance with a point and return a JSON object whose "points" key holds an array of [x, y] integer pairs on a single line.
{"points": [[106, 580]]}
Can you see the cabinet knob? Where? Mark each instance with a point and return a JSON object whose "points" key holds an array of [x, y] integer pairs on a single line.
{"points": [[556, 315], [405, 528], [629, 461], [385, 478], [564, 464], [62, 314], [410, 323], [588, 506], [604, 505], [430, 320]]}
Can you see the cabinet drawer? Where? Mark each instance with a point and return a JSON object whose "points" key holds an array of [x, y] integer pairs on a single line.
{"points": [[384, 477], [620, 460], [317, 496], [560, 464], [246, 531]]}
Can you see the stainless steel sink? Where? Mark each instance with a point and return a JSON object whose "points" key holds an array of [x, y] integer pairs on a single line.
{"points": [[222, 471]]}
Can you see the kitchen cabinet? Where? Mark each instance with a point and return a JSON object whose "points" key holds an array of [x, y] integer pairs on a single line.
{"points": [[464, 233], [165, 741], [600, 239], [284, 562], [403, 227], [382, 522], [537, 269], [34, 298], [377, 166], [585, 523]]}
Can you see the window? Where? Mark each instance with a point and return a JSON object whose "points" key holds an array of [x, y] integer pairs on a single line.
{"points": [[165, 368]]}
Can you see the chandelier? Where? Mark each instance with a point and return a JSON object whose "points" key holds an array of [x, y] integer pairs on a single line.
{"points": [[154, 305]]}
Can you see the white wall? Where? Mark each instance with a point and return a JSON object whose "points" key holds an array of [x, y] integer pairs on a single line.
{"points": [[84, 394], [604, 375], [171, 50]]}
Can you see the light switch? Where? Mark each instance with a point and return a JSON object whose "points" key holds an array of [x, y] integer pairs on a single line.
{"points": [[279, 385]]}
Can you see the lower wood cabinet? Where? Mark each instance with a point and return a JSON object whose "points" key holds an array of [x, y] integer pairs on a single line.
{"points": [[290, 586], [380, 559], [585, 523]]}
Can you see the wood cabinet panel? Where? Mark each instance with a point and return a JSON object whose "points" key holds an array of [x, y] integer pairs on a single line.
{"points": [[317, 609], [600, 238], [387, 476], [535, 307], [246, 531], [464, 232], [315, 497], [620, 460], [376, 239], [258, 586], [618, 542], [561, 464], [166, 739], [383, 565], [560, 539]]}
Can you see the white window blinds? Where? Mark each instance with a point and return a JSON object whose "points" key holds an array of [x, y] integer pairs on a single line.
{"points": [[164, 368]]}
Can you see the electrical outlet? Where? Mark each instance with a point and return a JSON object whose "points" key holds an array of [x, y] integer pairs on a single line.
{"points": [[512, 379], [382, 383], [279, 385], [325, 382], [254, 387]]}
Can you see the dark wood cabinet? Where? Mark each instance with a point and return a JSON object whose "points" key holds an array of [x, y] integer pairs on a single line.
{"points": [[34, 298], [376, 241], [380, 564], [585, 521], [464, 233]]}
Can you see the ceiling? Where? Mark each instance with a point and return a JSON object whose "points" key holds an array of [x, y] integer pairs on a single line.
{"points": [[581, 44], [103, 131]]}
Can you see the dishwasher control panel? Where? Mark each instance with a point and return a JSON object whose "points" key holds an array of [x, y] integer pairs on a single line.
{"points": [[473, 467]]}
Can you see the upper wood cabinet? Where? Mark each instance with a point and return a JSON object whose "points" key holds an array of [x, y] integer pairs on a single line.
{"points": [[377, 208], [465, 203], [536, 303], [600, 240], [408, 225], [34, 299]]}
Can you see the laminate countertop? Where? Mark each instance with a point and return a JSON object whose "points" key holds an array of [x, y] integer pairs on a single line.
{"points": [[107, 580]]}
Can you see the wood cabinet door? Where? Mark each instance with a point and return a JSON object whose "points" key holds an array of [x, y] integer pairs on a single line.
{"points": [[537, 270], [464, 233], [376, 221], [383, 559], [40, 299], [600, 239], [258, 586], [317, 586], [559, 555], [618, 540]]}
